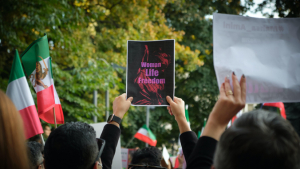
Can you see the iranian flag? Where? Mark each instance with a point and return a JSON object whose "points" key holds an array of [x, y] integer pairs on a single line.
{"points": [[145, 134], [37, 65], [18, 91]]}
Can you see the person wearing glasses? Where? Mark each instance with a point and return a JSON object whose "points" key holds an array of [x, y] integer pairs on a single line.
{"points": [[73, 145]]}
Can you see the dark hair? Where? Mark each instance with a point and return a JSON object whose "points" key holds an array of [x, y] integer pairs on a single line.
{"points": [[148, 155], [34, 154], [260, 140], [72, 145]]}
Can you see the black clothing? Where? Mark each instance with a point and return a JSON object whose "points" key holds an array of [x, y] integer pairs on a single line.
{"points": [[111, 135], [198, 154]]}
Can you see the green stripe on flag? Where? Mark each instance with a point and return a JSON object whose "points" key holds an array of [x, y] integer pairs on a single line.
{"points": [[50, 68], [187, 115], [151, 135], [16, 70], [31, 55]]}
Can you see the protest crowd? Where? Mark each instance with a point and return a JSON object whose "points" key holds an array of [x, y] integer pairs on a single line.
{"points": [[246, 144], [257, 139]]}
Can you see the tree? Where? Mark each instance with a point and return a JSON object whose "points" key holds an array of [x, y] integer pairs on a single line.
{"points": [[284, 8], [140, 20], [76, 67], [85, 38], [197, 87]]}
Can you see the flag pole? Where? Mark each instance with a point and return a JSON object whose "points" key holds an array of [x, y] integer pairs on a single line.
{"points": [[129, 142], [41, 136], [55, 125]]}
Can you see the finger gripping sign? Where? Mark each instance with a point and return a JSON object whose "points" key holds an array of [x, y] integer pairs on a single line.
{"points": [[266, 51], [150, 72]]}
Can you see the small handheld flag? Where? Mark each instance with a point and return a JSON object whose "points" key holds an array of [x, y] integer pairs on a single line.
{"points": [[145, 134]]}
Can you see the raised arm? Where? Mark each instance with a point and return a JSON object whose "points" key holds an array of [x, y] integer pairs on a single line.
{"points": [[227, 106], [188, 138], [111, 132]]}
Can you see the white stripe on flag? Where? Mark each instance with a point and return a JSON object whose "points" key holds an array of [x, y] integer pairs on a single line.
{"points": [[55, 93], [143, 131], [18, 91], [46, 80]]}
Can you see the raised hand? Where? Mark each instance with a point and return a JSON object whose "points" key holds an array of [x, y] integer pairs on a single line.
{"points": [[228, 105], [176, 108], [121, 105]]}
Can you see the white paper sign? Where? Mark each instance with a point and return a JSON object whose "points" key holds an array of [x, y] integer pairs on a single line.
{"points": [[124, 152], [267, 51]]}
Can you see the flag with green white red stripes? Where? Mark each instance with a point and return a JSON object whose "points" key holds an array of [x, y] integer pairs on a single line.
{"points": [[18, 91], [37, 64], [145, 134]]}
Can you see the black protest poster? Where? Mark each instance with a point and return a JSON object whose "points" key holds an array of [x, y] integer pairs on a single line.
{"points": [[150, 72]]}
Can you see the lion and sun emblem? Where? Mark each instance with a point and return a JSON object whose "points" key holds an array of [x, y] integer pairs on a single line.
{"points": [[39, 74]]}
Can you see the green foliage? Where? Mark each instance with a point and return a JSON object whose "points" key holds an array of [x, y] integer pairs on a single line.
{"points": [[77, 68], [284, 8], [85, 38], [197, 87]]}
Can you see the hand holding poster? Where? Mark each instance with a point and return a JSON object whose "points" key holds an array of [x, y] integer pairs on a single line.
{"points": [[150, 72], [266, 51]]}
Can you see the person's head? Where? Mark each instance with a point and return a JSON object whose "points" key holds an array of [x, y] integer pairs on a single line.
{"points": [[12, 138], [150, 156], [36, 138], [35, 155], [47, 131], [72, 145], [260, 140]]}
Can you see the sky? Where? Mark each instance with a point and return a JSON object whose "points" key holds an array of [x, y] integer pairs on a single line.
{"points": [[252, 13]]}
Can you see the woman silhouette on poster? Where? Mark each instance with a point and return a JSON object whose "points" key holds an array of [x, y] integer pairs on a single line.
{"points": [[148, 91]]}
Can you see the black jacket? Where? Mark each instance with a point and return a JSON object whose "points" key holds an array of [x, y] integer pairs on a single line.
{"points": [[198, 154], [111, 135]]}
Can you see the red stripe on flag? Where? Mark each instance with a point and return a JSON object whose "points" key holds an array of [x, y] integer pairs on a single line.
{"points": [[45, 100], [49, 118], [145, 139], [31, 121]]}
